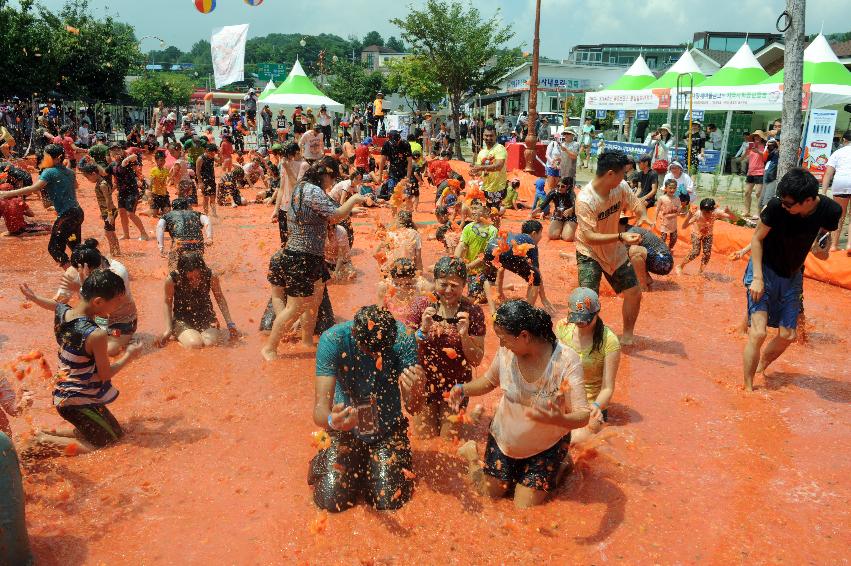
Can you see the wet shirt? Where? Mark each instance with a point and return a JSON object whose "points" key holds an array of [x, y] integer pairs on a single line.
{"points": [[439, 169], [61, 188], [398, 155], [443, 372], [358, 378], [476, 237], [791, 236], [593, 362], [517, 435], [514, 240], [125, 177], [192, 305], [653, 244], [77, 382], [99, 152], [159, 180], [12, 210], [561, 201], [601, 215], [493, 181], [307, 219]]}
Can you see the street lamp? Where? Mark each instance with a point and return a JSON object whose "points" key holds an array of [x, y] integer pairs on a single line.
{"points": [[532, 120]]}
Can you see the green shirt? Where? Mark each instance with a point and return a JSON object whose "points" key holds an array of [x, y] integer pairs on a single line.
{"points": [[476, 237]]}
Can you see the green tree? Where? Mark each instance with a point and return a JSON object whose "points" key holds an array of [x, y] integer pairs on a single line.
{"points": [[395, 44], [351, 84], [467, 53], [173, 89], [413, 78], [373, 38]]}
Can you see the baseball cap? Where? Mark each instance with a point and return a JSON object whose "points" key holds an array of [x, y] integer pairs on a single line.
{"points": [[584, 304], [367, 141]]}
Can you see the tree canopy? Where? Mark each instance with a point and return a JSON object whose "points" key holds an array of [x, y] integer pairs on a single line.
{"points": [[70, 52], [173, 89], [413, 79], [352, 84], [466, 54]]}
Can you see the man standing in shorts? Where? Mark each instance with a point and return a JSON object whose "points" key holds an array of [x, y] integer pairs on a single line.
{"points": [[490, 164], [601, 249], [795, 222]]}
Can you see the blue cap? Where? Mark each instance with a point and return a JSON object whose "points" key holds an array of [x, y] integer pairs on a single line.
{"points": [[367, 141], [583, 304]]}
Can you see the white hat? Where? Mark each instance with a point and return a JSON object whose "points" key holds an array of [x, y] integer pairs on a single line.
{"points": [[665, 126]]}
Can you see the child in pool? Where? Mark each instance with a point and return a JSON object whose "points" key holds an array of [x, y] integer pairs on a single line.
{"points": [[667, 210], [701, 236]]}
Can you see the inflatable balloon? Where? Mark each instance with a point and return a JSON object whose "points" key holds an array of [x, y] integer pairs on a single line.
{"points": [[253, 2], [205, 6]]}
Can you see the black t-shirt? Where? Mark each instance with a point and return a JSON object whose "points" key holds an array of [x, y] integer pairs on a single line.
{"points": [[125, 177], [791, 236], [645, 184], [398, 155], [561, 201]]}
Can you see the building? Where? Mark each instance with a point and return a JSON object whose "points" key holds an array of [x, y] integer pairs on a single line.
{"points": [[731, 41], [624, 54], [375, 57], [771, 55], [556, 83]]}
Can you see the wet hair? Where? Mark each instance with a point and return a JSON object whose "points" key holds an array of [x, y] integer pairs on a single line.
{"points": [[599, 334], [448, 266], [374, 328], [191, 261], [611, 160], [441, 210], [238, 173], [87, 166], [490, 128], [645, 159], [518, 315], [444, 153], [325, 166], [531, 226], [102, 283], [211, 147], [798, 184], [87, 254], [402, 267], [159, 154], [565, 181], [355, 174], [406, 219], [338, 150], [708, 205], [671, 181], [291, 149], [180, 203], [54, 150]]}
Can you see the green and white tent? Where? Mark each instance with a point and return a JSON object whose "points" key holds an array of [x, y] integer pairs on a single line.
{"points": [[299, 90], [742, 70], [637, 77], [684, 65], [270, 86], [821, 66]]}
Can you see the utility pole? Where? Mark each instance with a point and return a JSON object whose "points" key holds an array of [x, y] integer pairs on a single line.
{"points": [[532, 122], [793, 79]]}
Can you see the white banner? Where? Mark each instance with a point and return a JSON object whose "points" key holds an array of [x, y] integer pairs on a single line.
{"points": [[818, 142], [227, 46]]}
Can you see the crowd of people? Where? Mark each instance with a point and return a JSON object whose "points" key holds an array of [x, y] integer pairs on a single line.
{"points": [[414, 351]]}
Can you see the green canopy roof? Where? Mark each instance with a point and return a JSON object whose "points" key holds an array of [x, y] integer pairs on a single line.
{"points": [[821, 66], [637, 77], [685, 65], [742, 70]]}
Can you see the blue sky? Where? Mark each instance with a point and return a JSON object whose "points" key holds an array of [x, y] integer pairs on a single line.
{"points": [[564, 22]]}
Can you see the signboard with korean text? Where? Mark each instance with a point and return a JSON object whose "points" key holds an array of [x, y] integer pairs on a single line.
{"points": [[818, 141], [711, 160]]}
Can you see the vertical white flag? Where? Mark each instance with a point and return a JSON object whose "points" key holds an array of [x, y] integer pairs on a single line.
{"points": [[228, 49]]}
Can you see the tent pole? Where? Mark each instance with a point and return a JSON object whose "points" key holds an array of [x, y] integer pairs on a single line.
{"points": [[726, 140]]}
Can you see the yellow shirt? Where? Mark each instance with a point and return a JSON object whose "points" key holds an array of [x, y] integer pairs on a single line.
{"points": [[159, 180], [493, 181], [378, 107], [592, 362]]}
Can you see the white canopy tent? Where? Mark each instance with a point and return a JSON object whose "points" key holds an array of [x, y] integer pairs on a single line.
{"points": [[299, 90]]}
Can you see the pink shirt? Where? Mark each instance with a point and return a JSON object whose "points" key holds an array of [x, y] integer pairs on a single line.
{"points": [[756, 163], [666, 204]]}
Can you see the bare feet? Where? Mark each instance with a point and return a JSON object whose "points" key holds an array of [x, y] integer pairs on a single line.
{"points": [[627, 339], [144, 237], [268, 354], [678, 270]]}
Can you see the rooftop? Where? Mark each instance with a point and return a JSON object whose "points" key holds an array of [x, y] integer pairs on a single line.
{"points": [[380, 49]]}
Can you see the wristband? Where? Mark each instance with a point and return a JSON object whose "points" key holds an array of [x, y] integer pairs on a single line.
{"points": [[419, 334], [596, 404], [330, 424], [620, 236], [461, 387]]}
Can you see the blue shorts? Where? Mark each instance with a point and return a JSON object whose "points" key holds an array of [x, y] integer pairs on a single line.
{"points": [[553, 172], [782, 297]]}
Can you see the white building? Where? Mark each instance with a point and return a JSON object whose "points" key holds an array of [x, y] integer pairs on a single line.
{"points": [[556, 82]]}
